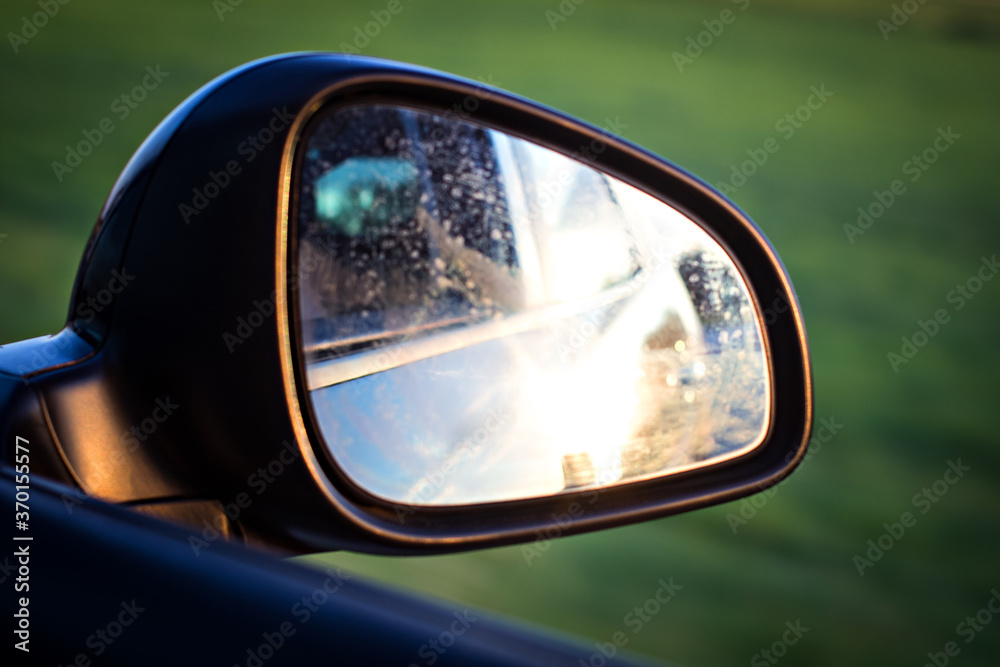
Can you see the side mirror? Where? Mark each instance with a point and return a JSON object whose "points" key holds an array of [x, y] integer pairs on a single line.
{"points": [[483, 319], [394, 310]]}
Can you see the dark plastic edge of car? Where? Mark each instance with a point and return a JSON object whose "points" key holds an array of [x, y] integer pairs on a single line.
{"points": [[103, 585]]}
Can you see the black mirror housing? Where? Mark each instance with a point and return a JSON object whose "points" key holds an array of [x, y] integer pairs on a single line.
{"points": [[178, 386]]}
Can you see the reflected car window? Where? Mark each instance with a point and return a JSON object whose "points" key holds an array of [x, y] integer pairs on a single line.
{"points": [[410, 221]]}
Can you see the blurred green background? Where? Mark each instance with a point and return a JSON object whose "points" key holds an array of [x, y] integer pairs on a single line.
{"points": [[793, 560]]}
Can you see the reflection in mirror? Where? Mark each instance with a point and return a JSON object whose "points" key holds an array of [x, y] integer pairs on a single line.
{"points": [[485, 319]]}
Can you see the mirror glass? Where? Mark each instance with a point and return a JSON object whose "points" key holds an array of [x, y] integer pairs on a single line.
{"points": [[485, 319]]}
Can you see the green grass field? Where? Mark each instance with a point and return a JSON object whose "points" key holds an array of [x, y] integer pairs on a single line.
{"points": [[794, 559]]}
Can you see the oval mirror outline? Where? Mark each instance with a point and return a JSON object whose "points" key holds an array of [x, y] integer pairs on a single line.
{"points": [[485, 319]]}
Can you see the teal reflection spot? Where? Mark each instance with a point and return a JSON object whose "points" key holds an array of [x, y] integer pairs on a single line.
{"points": [[365, 192]]}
